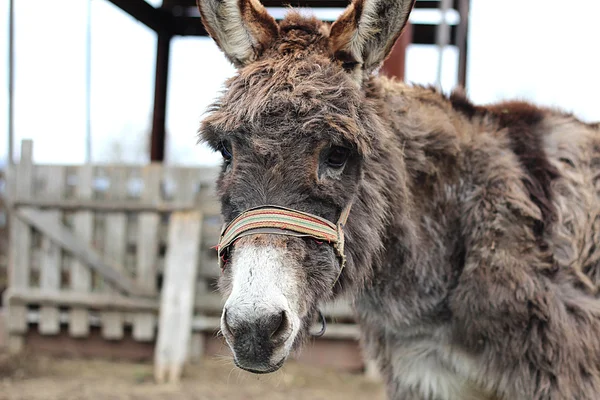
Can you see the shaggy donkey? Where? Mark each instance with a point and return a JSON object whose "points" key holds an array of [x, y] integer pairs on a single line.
{"points": [[472, 243]]}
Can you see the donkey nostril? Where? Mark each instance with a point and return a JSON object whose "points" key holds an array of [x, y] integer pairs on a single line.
{"points": [[272, 327], [278, 326], [226, 323]]}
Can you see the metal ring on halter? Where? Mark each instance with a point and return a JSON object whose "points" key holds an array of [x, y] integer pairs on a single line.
{"points": [[323, 326]]}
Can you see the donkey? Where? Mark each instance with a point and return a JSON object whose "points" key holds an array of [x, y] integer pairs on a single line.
{"points": [[467, 237]]}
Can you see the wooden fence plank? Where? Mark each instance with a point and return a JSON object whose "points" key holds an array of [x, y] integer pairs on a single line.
{"points": [[177, 298], [85, 301], [67, 240], [191, 188], [108, 207], [51, 253], [81, 276], [147, 251], [115, 239], [20, 246]]}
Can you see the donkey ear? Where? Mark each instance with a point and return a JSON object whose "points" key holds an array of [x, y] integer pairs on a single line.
{"points": [[243, 29], [367, 30]]}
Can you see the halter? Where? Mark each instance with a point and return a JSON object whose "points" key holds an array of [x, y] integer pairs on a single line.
{"points": [[284, 221]]}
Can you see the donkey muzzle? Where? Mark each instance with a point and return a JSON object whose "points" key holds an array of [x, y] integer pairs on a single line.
{"points": [[256, 337]]}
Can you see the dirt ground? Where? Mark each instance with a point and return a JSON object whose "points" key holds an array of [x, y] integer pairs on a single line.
{"points": [[33, 378]]}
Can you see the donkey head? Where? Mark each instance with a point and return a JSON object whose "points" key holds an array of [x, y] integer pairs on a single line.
{"points": [[296, 130]]}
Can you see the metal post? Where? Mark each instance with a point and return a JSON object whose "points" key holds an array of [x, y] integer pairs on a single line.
{"points": [[442, 39], [462, 42], [88, 85], [11, 80]]}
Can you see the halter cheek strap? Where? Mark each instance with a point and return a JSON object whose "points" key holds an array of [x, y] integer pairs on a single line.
{"points": [[284, 221]]}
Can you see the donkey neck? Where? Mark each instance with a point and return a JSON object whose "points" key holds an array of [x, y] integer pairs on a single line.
{"points": [[422, 247]]}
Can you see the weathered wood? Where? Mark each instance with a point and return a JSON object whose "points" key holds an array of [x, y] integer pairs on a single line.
{"points": [[51, 253], [210, 303], [80, 274], [16, 318], [20, 242], [197, 345], [115, 229], [147, 251], [112, 324], [372, 371], [177, 299], [202, 323], [188, 189], [87, 301], [106, 206], [67, 240]]}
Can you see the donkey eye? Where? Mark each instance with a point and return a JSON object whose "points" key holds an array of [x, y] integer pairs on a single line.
{"points": [[337, 157], [225, 149], [349, 65]]}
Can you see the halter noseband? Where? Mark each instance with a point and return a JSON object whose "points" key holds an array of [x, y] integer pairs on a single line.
{"points": [[284, 221]]}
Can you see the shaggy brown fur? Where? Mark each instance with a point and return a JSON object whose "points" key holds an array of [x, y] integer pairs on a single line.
{"points": [[474, 241]]}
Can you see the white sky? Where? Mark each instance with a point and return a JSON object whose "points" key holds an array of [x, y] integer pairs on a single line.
{"points": [[518, 48]]}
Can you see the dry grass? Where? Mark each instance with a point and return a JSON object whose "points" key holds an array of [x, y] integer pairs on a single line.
{"points": [[20, 367], [50, 379]]}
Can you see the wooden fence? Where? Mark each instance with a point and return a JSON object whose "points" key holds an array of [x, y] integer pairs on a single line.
{"points": [[118, 247]]}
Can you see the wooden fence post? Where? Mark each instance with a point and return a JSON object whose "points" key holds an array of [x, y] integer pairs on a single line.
{"points": [[147, 250], [115, 234], [81, 276], [177, 297], [50, 273], [372, 370], [19, 247]]}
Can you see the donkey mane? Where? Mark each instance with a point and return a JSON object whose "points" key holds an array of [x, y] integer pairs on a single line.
{"points": [[473, 242]]}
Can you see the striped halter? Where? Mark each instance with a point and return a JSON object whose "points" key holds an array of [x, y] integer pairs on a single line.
{"points": [[284, 221]]}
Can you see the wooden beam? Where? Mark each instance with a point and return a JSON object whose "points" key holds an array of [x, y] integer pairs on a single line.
{"points": [[158, 137], [92, 301], [305, 3], [104, 206], [155, 19], [421, 34], [188, 26], [426, 34], [210, 303]]}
